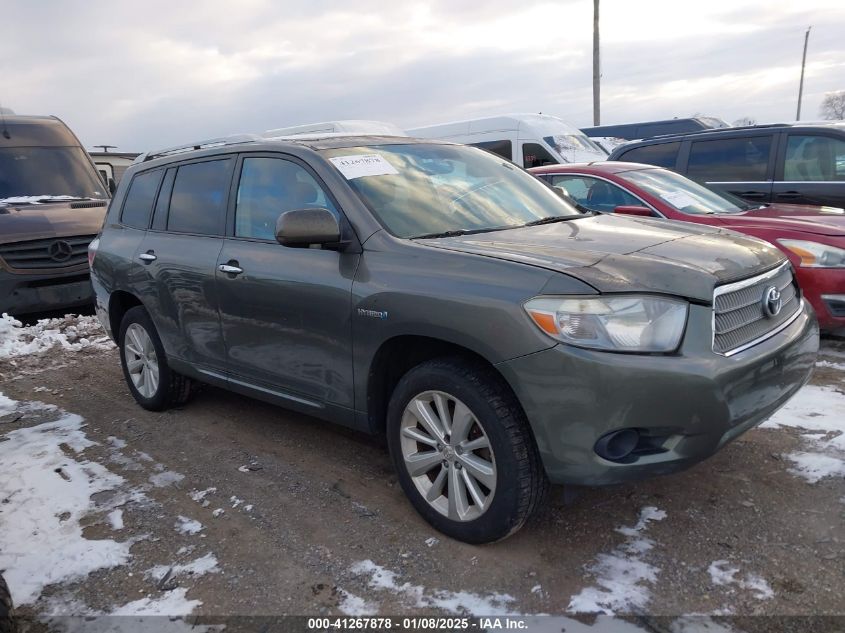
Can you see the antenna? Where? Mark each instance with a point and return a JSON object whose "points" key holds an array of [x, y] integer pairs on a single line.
{"points": [[106, 148]]}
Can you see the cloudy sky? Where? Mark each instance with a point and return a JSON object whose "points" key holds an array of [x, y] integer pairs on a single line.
{"points": [[147, 74]]}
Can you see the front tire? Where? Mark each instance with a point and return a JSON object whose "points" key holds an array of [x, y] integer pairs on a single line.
{"points": [[463, 450], [153, 384], [7, 611]]}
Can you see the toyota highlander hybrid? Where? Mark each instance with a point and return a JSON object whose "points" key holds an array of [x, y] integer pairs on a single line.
{"points": [[440, 296]]}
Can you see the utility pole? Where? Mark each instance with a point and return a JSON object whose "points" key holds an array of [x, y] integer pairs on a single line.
{"points": [[596, 66], [803, 63]]}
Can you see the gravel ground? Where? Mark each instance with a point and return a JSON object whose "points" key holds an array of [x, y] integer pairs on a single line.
{"points": [[229, 506]]}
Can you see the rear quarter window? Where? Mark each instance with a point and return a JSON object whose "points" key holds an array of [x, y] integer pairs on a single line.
{"points": [[660, 154], [199, 198], [140, 198]]}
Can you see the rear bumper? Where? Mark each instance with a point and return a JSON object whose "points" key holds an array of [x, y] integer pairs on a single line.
{"points": [[22, 294], [689, 405]]}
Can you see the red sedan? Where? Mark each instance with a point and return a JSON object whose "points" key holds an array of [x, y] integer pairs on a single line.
{"points": [[812, 237]]}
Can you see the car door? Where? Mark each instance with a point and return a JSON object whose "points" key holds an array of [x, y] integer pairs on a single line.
{"points": [[741, 165], [285, 311], [179, 256], [811, 170]]}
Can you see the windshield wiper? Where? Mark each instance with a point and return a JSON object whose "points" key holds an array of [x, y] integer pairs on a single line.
{"points": [[556, 218], [457, 232]]}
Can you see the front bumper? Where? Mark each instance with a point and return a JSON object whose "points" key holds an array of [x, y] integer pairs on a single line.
{"points": [[692, 403], [824, 288], [22, 294]]}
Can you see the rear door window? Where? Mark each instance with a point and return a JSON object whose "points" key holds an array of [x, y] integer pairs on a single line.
{"points": [[738, 159], [139, 200], [814, 158], [200, 194], [661, 154], [596, 194]]}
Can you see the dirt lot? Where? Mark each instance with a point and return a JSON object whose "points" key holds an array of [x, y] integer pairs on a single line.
{"points": [[231, 506]]}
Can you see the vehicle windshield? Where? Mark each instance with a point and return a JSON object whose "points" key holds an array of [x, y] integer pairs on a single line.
{"points": [[681, 193], [567, 143], [45, 172], [426, 189]]}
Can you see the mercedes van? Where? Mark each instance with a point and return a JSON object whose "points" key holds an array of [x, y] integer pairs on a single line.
{"points": [[52, 203], [530, 140]]}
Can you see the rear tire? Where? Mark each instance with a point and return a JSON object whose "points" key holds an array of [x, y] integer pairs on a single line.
{"points": [[153, 384], [7, 611], [478, 477]]}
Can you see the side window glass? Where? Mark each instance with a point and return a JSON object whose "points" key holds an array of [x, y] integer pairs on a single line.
{"points": [[598, 195], [535, 155], [814, 158], [267, 188], [730, 159], [198, 201], [502, 148], [661, 154], [139, 200], [576, 187]]}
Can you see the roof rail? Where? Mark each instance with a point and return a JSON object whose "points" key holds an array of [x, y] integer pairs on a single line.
{"points": [[757, 126], [212, 142]]}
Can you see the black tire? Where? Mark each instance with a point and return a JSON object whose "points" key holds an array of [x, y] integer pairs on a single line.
{"points": [[521, 482], [7, 611], [173, 389]]}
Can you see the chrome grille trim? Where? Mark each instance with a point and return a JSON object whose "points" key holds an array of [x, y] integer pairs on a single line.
{"points": [[738, 318], [34, 255]]}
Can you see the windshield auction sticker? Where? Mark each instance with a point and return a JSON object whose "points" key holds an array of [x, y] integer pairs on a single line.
{"points": [[361, 165]]}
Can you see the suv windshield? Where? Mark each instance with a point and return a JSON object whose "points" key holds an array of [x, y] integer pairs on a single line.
{"points": [[426, 189], [47, 172], [564, 143], [681, 193]]}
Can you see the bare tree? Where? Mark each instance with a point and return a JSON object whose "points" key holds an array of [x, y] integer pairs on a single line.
{"points": [[746, 120], [833, 105]]}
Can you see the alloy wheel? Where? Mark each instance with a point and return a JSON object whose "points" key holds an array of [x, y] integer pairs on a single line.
{"points": [[141, 360]]}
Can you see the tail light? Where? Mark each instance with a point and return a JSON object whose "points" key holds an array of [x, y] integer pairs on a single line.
{"points": [[92, 251]]}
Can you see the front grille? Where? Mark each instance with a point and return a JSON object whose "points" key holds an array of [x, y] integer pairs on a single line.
{"points": [[740, 317], [61, 252]]}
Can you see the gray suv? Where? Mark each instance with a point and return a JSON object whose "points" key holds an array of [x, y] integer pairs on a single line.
{"points": [[440, 296]]}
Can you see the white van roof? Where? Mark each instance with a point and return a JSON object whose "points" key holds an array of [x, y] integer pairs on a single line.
{"points": [[348, 126], [540, 124]]}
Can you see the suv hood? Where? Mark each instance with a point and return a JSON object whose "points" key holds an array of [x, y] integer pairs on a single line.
{"points": [[792, 217], [19, 223], [617, 254]]}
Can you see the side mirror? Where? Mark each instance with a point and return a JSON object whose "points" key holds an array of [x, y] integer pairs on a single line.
{"points": [[634, 210], [307, 226]]}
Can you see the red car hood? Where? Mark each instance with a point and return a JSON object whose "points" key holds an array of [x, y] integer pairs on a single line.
{"points": [[795, 217]]}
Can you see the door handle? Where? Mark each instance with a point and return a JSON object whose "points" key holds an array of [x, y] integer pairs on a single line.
{"points": [[752, 194], [147, 257], [229, 269], [788, 194]]}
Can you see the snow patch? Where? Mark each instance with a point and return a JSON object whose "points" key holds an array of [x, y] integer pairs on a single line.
{"points": [[350, 604], [622, 576], [723, 574], [172, 603], [187, 526], [818, 412], [49, 492], [455, 602], [71, 333], [115, 518], [165, 478], [7, 405], [204, 565]]}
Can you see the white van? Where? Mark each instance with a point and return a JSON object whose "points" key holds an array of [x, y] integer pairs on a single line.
{"points": [[530, 140], [349, 126]]}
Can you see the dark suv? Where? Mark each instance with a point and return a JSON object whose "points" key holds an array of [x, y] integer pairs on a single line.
{"points": [[783, 163], [441, 296]]}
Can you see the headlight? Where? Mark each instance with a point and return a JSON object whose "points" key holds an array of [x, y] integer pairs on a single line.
{"points": [[815, 255], [624, 323]]}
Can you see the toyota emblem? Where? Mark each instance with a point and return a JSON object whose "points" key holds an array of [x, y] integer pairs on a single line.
{"points": [[60, 251], [772, 302]]}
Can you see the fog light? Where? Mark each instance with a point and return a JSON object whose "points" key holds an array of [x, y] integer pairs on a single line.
{"points": [[617, 445]]}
